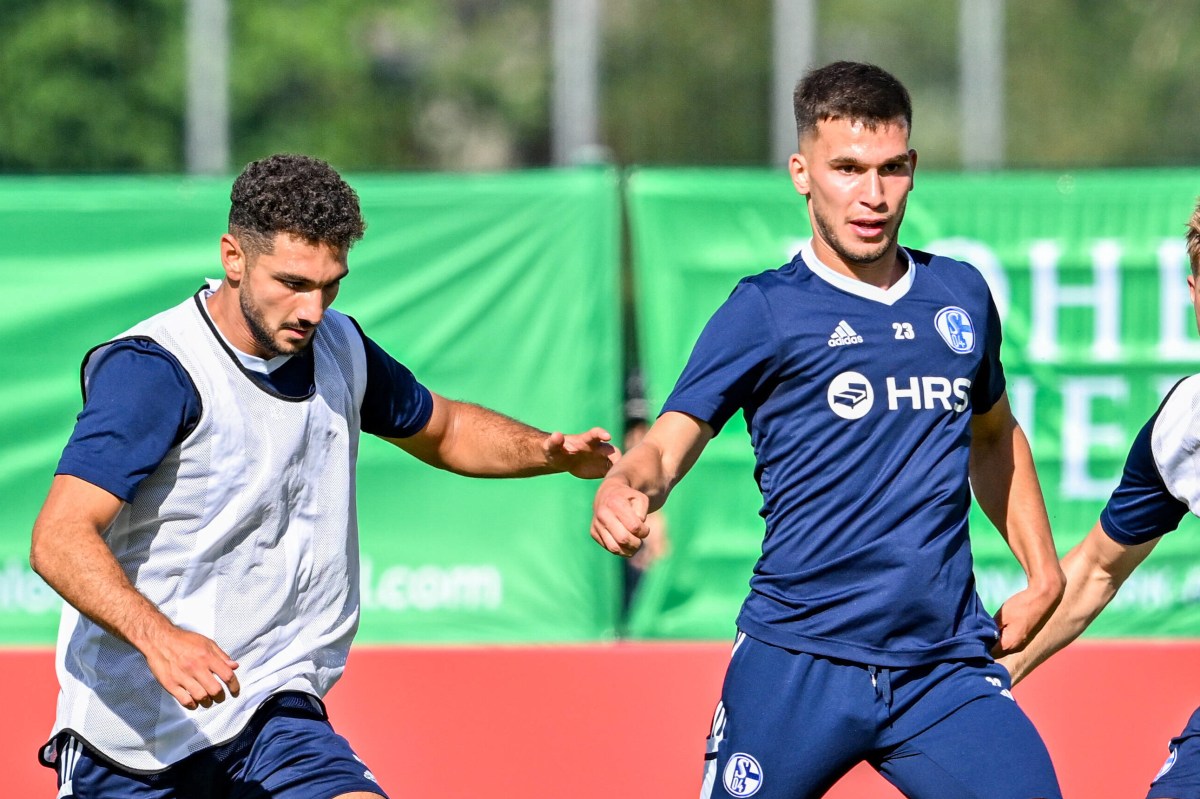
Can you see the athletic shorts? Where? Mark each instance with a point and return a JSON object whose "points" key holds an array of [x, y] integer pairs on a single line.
{"points": [[287, 751], [789, 725], [1179, 777]]}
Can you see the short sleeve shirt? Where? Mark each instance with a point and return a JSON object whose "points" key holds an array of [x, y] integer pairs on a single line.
{"points": [[1161, 479], [858, 402], [140, 403]]}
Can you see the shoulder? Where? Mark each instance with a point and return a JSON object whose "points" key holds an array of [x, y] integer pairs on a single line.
{"points": [[1176, 433], [949, 269], [134, 358], [792, 280]]}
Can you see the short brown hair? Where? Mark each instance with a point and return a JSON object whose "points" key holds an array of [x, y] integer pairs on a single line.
{"points": [[850, 90]]}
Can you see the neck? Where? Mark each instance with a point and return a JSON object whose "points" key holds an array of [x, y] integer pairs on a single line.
{"points": [[883, 273], [226, 314]]}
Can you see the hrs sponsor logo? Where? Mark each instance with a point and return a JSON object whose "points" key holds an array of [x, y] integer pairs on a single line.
{"points": [[851, 395]]}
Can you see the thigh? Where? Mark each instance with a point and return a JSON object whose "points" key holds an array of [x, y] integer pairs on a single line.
{"points": [[298, 755], [788, 725], [1179, 777], [986, 748]]}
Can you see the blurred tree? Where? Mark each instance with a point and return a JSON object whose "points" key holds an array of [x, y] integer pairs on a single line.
{"points": [[369, 85], [686, 81], [96, 85], [89, 85], [1101, 84]]}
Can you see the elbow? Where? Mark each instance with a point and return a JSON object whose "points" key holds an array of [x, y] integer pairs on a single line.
{"points": [[40, 555]]}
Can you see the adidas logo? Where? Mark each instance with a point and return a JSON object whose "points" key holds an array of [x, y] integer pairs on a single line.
{"points": [[843, 334]]}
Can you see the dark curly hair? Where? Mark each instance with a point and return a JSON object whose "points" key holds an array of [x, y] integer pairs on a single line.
{"points": [[293, 194], [848, 90]]}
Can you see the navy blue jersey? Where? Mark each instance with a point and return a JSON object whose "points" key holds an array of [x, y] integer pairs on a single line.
{"points": [[140, 403], [1160, 481], [858, 401]]}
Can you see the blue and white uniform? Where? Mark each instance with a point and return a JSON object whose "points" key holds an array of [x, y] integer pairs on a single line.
{"points": [[858, 401], [239, 523], [1159, 486]]}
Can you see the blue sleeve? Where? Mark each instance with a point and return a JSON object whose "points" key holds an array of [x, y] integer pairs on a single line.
{"points": [[395, 405], [731, 359], [139, 404], [989, 383], [1141, 508]]}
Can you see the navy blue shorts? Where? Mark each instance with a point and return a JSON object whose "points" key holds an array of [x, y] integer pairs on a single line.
{"points": [[287, 751], [789, 725], [1179, 778]]}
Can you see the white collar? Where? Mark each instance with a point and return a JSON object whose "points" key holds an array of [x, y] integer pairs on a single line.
{"points": [[888, 296], [252, 363]]}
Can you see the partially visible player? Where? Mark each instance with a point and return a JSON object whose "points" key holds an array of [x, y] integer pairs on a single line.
{"points": [[1160, 484], [202, 525], [870, 379]]}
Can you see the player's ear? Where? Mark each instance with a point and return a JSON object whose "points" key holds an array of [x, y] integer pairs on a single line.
{"points": [[912, 166], [233, 258], [798, 169]]}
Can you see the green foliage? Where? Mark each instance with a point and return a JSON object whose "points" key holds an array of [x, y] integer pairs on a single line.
{"points": [[97, 85], [88, 85], [1095, 84]]}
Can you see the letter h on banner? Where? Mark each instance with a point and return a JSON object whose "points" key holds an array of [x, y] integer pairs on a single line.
{"points": [[1050, 296]]}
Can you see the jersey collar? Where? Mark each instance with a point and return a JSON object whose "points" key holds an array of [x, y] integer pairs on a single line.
{"points": [[888, 296]]}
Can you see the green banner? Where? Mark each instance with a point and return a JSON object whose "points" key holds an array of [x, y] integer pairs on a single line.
{"points": [[497, 289], [1089, 273]]}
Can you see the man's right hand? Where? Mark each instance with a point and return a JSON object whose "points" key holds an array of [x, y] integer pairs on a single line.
{"points": [[191, 667], [619, 517]]}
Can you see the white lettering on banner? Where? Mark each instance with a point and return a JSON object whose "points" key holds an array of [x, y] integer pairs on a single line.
{"points": [[1146, 589], [1050, 296], [983, 258], [1080, 435], [23, 591], [422, 589], [1176, 316], [1191, 585]]}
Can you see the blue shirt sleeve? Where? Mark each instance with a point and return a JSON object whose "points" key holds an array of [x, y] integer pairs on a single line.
{"points": [[1141, 508], [731, 359], [989, 383], [395, 405], [139, 404]]}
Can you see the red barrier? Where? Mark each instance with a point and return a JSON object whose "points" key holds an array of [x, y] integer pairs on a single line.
{"points": [[629, 720]]}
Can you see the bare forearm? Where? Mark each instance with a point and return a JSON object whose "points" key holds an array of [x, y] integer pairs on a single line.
{"points": [[1096, 568], [1088, 591], [484, 443], [471, 440], [643, 469], [1006, 487], [86, 575]]}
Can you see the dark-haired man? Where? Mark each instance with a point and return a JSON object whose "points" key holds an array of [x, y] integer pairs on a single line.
{"points": [[870, 379], [201, 522]]}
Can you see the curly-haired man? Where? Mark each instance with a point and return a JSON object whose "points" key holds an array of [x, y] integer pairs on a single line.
{"points": [[201, 522]]}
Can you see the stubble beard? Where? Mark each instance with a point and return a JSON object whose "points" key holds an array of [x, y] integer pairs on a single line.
{"points": [[829, 235], [261, 332]]}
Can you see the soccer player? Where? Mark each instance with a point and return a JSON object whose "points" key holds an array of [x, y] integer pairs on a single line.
{"points": [[870, 380], [201, 523], [1158, 487]]}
